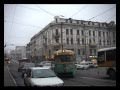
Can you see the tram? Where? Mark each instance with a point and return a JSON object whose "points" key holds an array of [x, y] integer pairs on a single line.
{"points": [[64, 61]]}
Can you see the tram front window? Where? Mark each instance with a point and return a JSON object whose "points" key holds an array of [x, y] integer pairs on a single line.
{"points": [[65, 58]]}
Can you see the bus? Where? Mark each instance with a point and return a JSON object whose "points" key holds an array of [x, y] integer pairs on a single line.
{"points": [[64, 63], [107, 58]]}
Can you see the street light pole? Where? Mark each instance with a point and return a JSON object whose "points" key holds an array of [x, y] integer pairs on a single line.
{"points": [[61, 37], [85, 45]]}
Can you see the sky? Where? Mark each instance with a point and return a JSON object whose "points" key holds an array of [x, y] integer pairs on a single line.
{"points": [[23, 21]]}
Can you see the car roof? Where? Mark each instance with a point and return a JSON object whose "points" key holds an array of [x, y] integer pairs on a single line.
{"points": [[33, 68]]}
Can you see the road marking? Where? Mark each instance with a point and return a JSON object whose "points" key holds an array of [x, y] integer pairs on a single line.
{"points": [[99, 79], [12, 77]]}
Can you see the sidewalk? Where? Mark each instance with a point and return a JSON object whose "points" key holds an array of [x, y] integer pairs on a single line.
{"points": [[8, 81]]}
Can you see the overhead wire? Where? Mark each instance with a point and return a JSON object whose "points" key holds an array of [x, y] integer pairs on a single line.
{"points": [[79, 11], [110, 18], [46, 11], [30, 8], [102, 13], [13, 17]]}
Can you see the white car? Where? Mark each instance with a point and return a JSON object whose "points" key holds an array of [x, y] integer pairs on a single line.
{"points": [[46, 64], [83, 66], [41, 76]]}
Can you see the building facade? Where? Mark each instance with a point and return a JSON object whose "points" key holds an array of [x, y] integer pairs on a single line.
{"points": [[83, 37], [28, 51], [20, 52]]}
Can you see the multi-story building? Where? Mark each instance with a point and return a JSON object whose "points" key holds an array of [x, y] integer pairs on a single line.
{"points": [[28, 51], [13, 54], [20, 52], [83, 37]]}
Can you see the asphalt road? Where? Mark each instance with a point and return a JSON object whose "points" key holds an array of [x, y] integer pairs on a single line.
{"points": [[91, 77]]}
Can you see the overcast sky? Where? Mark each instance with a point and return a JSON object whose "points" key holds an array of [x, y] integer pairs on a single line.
{"points": [[22, 21]]}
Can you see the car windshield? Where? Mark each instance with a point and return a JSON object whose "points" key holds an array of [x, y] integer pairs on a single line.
{"points": [[84, 63], [47, 64], [43, 73], [29, 65]]}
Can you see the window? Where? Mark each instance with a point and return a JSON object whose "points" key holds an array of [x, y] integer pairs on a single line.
{"points": [[99, 34], [78, 32], [70, 21], [56, 31], [82, 32], [82, 41], [78, 51], [67, 40], [81, 22], [100, 42], [93, 40], [107, 34], [89, 41], [77, 22], [67, 31], [103, 34], [78, 41], [71, 40], [107, 42], [102, 24], [88, 23], [92, 23], [89, 33], [114, 41], [71, 31], [57, 40], [56, 20], [93, 33]]}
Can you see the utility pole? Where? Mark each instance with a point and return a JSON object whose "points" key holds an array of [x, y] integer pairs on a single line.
{"points": [[61, 37], [85, 45]]}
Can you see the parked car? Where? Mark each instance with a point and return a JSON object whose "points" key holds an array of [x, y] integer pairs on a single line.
{"points": [[82, 66], [41, 76], [91, 64]]}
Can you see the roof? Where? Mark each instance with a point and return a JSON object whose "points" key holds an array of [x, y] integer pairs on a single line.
{"points": [[67, 52], [106, 49], [33, 68]]}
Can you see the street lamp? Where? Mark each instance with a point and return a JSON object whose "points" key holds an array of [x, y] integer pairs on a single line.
{"points": [[61, 34]]}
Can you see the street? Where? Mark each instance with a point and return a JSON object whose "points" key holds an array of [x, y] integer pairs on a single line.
{"points": [[90, 77]]}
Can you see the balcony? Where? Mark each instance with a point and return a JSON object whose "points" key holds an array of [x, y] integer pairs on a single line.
{"points": [[92, 45]]}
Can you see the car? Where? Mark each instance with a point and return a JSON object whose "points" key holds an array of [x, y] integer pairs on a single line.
{"points": [[7, 60], [21, 65], [25, 67], [82, 66], [48, 64], [41, 76], [91, 65]]}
